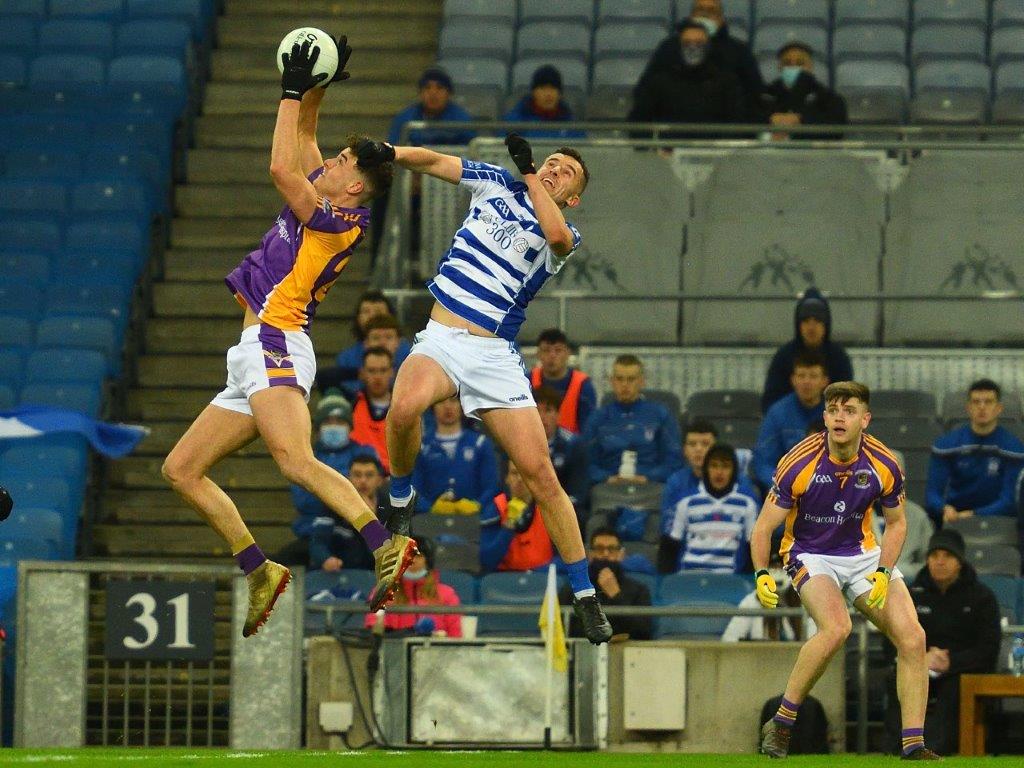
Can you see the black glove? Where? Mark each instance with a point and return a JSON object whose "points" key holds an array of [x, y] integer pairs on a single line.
{"points": [[6, 503], [298, 76], [371, 153], [522, 154], [344, 53]]}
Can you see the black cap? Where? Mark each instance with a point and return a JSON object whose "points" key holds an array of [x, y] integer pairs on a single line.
{"points": [[546, 75], [812, 307], [949, 540], [436, 75]]}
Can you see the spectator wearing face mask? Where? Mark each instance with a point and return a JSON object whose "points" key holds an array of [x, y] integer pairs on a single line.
{"points": [[688, 87], [769, 627], [710, 530], [797, 97]]}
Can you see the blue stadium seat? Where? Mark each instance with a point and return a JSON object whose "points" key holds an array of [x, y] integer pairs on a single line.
{"points": [[32, 127], [554, 40], [960, 11], [16, 330], [941, 42], [875, 11], [83, 398], [477, 71], [159, 77], [480, 10], [189, 11], [347, 579], [579, 12], [51, 164], [165, 37], [691, 586], [72, 366], [511, 589], [1008, 593], [140, 131], [1010, 77], [771, 36], [963, 75], [885, 41], [29, 235], [12, 367], [888, 75], [119, 233], [1007, 12], [619, 72], [95, 333], [18, 298], [813, 12], [625, 39], [69, 73], [101, 267], [44, 525], [635, 10], [14, 548], [33, 268], [46, 492], [695, 627], [8, 396], [109, 302], [51, 455], [472, 38], [33, 197], [84, 37], [1007, 45], [13, 72], [118, 159], [112, 196], [111, 10], [575, 75], [17, 34], [463, 583]]}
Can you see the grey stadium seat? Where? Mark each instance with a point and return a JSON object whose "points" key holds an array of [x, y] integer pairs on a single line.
{"points": [[954, 405], [903, 402], [635, 10], [1008, 108], [605, 517], [964, 75], [1010, 77], [935, 106], [944, 41], [995, 559], [890, 75], [983, 531], [1007, 45], [619, 72], [482, 103], [905, 433], [456, 539], [805, 11], [480, 9], [877, 41], [733, 9], [739, 433], [915, 467], [572, 11], [773, 35], [574, 72], [476, 72], [875, 105], [608, 497], [717, 403], [609, 103], [1007, 12], [884, 11], [552, 39], [959, 11], [625, 39], [470, 38]]}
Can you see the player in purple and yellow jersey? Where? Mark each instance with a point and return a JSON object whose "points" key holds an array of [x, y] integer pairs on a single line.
{"points": [[271, 369], [824, 491]]}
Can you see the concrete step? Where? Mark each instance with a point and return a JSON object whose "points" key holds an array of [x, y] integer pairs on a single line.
{"points": [[231, 167], [262, 98], [212, 264], [203, 370], [374, 65], [221, 131], [149, 506], [366, 31], [379, 9], [198, 540], [167, 404], [164, 435], [213, 300], [223, 201], [243, 233], [233, 472], [215, 335]]}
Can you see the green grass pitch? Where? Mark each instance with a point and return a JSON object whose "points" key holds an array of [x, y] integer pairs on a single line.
{"points": [[159, 758]]}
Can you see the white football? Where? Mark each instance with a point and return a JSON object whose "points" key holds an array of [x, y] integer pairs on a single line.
{"points": [[327, 61]]}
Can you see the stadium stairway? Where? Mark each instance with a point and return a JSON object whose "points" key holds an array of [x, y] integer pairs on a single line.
{"points": [[221, 212]]}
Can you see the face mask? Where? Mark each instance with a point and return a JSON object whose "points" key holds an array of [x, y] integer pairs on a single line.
{"points": [[334, 435], [781, 578], [790, 75], [694, 55], [415, 575], [709, 24]]}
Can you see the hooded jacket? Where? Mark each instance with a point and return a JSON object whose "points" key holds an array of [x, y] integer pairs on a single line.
{"points": [[817, 104], [839, 367], [524, 111]]}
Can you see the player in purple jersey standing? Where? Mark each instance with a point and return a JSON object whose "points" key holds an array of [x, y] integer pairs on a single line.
{"points": [[271, 369], [824, 491]]}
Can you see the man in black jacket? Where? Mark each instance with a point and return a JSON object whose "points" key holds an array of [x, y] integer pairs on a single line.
{"points": [[812, 331], [960, 618], [606, 554], [686, 86], [798, 98]]}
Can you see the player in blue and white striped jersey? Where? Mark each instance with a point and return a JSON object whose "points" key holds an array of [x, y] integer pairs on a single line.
{"points": [[513, 239]]}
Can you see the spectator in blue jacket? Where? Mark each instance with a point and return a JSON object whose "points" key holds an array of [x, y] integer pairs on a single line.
{"points": [[568, 453], [786, 422], [456, 471], [434, 102], [974, 468], [371, 305], [632, 440], [544, 104]]}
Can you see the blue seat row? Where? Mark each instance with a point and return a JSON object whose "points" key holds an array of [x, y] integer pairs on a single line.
{"points": [[196, 13], [59, 199], [25, 37], [107, 267]]}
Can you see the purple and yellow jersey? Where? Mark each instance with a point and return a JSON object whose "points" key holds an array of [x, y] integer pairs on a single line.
{"points": [[296, 264], [831, 502]]}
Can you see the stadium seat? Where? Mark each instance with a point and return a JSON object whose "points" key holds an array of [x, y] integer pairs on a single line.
{"points": [[695, 627], [101, 268], [468, 38], [875, 41], [815, 12], [8, 396], [353, 580], [82, 398], [578, 12], [93, 301], [19, 298], [1008, 108], [119, 160], [690, 586], [954, 404], [1007, 12], [84, 37], [618, 73], [715, 403], [17, 34], [12, 367], [14, 548], [915, 463], [52, 164], [963, 75], [189, 11], [625, 39], [481, 103], [456, 539], [874, 11], [555, 40], [1007, 45], [464, 584], [165, 37], [34, 523], [661, 396], [115, 232], [634, 10], [888, 75], [960, 11], [161, 78], [33, 197], [609, 103], [903, 402], [13, 72], [983, 531], [480, 9], [467, 71], [771, 36], [610, 497], [112, 10], [1010, 77], [510, 588], [65, 366], [575, 75], [66, 73], [994, 559], [1007, 590], [33, 268], [949, 107], [739, 433], [945, 41], [15, 329], [905, 432], [45, 492], [112, 196], [45, 456], [95, 333]]}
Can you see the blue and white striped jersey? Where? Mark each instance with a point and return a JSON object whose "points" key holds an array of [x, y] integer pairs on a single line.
{"points": [[499, 258], [714, 532]]}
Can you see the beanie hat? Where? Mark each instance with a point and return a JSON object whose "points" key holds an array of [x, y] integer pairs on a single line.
{"points": [[546, 75], [333, 405], [436, 75]]}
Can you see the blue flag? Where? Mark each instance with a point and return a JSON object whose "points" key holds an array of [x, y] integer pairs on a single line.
{"points": [[113, 440]]}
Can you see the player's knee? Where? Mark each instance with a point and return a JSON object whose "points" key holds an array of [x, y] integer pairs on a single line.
{"points": [[404, 412], [839, 632], [541, 479], [296, 466], [175, 471], [911, 641]]}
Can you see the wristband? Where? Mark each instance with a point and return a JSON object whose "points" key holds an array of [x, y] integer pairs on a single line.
{"points": [[886, 571], [762, 572]]}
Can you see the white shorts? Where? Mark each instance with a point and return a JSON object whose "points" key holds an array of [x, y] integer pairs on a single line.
{"points": [[849, 572], [487, 371], [265, 357]]}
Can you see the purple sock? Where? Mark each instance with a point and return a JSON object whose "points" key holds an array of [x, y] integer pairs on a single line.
{"points": [[913, 739], [374, 534], [787, 712], [250, 558]]}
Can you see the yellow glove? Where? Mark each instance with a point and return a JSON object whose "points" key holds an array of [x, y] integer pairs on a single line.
{"points": [[766, 589], [879, 587], [466, 507], [514, 511], [444, 506]]}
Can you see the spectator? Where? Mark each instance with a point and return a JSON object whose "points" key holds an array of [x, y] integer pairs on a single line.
{"points": [[576, 390], [335, 447], [767, 627], [711, 529], [787, 420], [373, 401], [544, 104], [812, 332], [345, 373], [434, 102], [798, 98], [960, 618], [568, 453], [421, 585], [974, 468], [512, 533], [614, 587], [456, 471], [631, 440]]}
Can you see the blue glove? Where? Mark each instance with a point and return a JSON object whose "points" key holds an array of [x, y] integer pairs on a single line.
{"points": [[424, 625]]}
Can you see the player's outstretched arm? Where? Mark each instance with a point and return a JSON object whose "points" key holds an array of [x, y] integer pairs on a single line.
{"points": [[445, 167], [309, 112], [549, 215]]}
